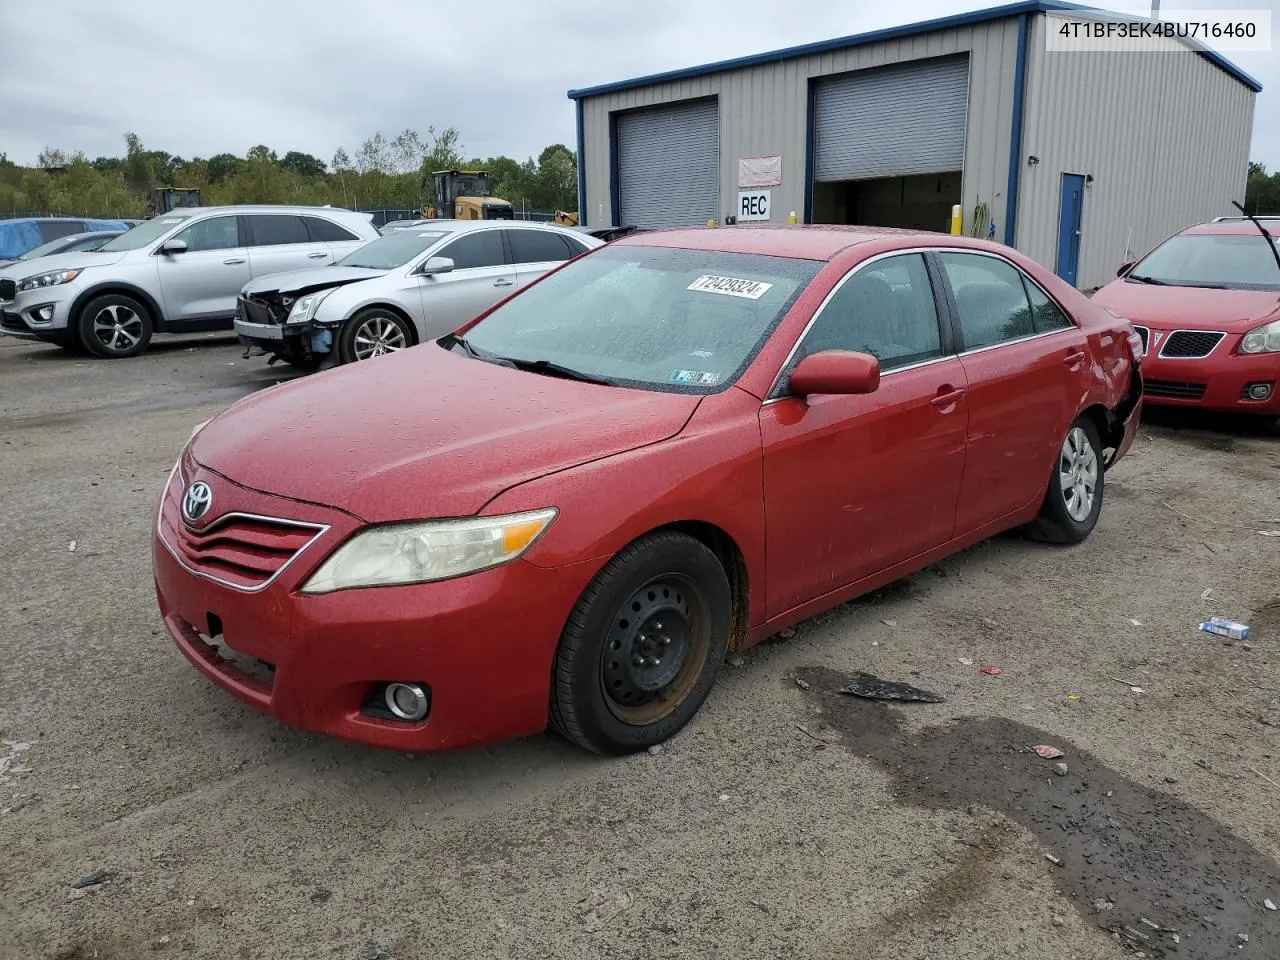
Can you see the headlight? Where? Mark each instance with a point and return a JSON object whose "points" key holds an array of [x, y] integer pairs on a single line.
{"points": [[304, 308], [50, 279], [1265, 339], [428, 550]]}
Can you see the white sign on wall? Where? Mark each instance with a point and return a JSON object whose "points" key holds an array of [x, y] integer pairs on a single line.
{"points": [[753, 205], [759, 171]]}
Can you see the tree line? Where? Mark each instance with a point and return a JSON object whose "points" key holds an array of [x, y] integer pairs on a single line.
{"points": [[381, 173], [1262, 193]]}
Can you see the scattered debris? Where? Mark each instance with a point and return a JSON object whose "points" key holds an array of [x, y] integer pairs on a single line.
{"points": [[71, 547], [875, 643], [802, 683], [1135, 622], [321, 895], [992, 671], [1207, 596], [1135, 933], [1048, 752], [1178, 512], [890, 623], [655, 749], [1214, 547], [736, 661], [1102, 903], [1150, 923], [1224, 627], [967, 661], [1128, 683], [1265, 777], [93, 879], [1072, 698], [724, 797], [873, 688], [990, 624], [1269, 904], [1176, 938], [1052, 859], [1060, 769], [1269, 533], [1242, 937], [1058, 921]]}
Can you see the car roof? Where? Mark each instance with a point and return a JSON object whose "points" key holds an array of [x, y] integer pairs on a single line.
{"points": [[342, 212], [800, 241], [1234, 225]]}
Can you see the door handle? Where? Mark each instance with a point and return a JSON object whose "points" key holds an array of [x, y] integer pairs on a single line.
{"points": [[233, 261], [504, 283], [316, 256], [947, 397], [1074, 359]]}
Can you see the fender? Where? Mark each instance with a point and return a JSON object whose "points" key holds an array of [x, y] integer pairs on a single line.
{"points": [[117, 286]]}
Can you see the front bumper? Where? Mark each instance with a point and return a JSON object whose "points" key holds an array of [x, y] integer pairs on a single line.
{"points": [[1216, 382], [484, 643], [38, 314]]}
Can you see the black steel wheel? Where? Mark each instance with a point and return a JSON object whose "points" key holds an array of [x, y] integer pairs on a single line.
{"points": [[643, 646]]}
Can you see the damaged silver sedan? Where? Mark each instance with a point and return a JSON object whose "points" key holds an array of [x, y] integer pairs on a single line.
{"points": [[405, 287]]}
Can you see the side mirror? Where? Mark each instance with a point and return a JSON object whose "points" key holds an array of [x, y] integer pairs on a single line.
{"points": [[173, 246], [1125, 268], [436, 265], [835, 372]]}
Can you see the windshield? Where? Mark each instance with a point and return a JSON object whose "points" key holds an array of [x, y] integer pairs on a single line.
{"points": [[391, 250], [1235, 261], [675, 320], [53, 246], [144, 233]]}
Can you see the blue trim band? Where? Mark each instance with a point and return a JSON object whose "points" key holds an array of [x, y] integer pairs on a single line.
{"points": [[1015, 134], [894, 33], [582, 168], [810, 133], [613, 172]]}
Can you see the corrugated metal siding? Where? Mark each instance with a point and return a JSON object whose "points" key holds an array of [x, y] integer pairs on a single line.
{"points": [[669, 165], [763, 112], [894, 121], [1165, 137]]}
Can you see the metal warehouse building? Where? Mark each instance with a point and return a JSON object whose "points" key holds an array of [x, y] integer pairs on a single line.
{"points": [[1076, 158]]}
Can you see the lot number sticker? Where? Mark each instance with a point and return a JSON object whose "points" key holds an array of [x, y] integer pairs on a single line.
{"points": [[730, 287]]}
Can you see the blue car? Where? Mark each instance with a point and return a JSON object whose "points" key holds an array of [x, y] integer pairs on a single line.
{"points": [[19, 236]]}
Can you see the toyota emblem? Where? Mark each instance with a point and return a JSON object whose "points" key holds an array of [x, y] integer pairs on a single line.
{"points": [[197, 501]]}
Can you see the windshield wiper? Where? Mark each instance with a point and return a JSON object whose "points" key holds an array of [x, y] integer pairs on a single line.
{"points": [[1271, 241], [568, 373], [479, 354], [1140, 279]]}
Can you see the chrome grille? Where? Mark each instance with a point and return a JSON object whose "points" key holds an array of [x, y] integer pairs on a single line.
{"points": [[1191, 344]]}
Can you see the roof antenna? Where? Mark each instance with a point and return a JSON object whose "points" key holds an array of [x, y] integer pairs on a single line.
{"points": [[1271, 241]]}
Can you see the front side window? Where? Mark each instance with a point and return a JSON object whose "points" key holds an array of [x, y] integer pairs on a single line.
{"points": [[1229, 261], [990, 299], [483, 248], [652, 317], [215, 233], [886, 309]]}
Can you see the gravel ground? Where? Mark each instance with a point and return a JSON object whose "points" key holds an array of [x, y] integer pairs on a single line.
{"points": [[786, 821]]}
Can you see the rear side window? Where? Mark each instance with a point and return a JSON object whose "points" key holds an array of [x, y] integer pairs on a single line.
{"points": [[57, 229], [885, 309], [327, 231], [215, 233], [273, 229], [480, 249], [538, 246], [1046, 315], [990, 299]]}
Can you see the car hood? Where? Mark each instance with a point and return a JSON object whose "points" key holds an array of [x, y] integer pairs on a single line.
{"points": [[20, 269], [1170, 308], [304, 281], [426, 433]]}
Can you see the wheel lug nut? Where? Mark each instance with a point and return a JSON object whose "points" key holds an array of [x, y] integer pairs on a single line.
{"points": [[666, 641], [638, 661], [654, 661]]}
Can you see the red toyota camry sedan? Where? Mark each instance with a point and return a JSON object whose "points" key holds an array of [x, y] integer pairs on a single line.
{"points": [[568, 511], [1206, 303]]}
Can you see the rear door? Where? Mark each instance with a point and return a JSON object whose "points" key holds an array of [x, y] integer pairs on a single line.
{"points": [[203, 281], [534, 252], [856, 484], [279, 243], [1026, 364], [481, 276]]}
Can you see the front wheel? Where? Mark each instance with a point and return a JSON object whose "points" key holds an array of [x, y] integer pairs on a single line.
{"points": [[1073, 501], [642, 647], [372, 333], [114, 326]]}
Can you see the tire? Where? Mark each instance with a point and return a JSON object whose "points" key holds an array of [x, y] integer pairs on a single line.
{"points": [[610, 690], [372, 333], [1069, 514], [114, 326]]}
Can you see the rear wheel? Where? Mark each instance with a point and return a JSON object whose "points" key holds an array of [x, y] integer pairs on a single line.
{"points": [[372, 333], [1073, 501], [643, 646], [114, 326]]}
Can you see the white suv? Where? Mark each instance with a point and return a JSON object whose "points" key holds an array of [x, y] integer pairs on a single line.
{"points": [[177, 273]]}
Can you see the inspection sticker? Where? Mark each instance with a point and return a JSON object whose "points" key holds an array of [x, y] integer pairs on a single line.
{"points": [[730, 287], [694, 376]]}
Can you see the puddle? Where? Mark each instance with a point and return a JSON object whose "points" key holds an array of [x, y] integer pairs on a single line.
{"points": [[1150, 855]]}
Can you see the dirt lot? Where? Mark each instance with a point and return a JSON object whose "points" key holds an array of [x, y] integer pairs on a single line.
{"points": [[784, 822]]}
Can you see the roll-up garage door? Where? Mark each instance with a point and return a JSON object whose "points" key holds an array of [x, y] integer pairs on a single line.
{"points": [[894, 121], [669, 165]]}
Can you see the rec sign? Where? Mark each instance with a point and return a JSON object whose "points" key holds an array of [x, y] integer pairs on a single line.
{"points": [[753, 204]]}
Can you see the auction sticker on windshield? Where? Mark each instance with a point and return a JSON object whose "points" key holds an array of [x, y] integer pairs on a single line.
{"points": [[730, 287]]}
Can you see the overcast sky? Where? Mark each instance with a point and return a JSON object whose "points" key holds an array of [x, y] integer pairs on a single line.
{"points": [[202, 78]]}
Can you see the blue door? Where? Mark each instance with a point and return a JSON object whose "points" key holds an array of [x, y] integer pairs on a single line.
{"points": [[1070, 214]]}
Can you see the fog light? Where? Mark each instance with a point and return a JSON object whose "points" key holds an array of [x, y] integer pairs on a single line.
{"points": [[407, 701], [44, 314], [1258, 391]]}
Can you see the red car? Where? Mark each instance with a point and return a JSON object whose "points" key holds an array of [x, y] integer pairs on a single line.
{"points": [[1206, 303], [672, 446]]}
